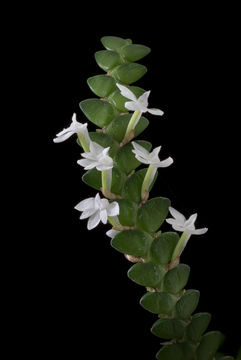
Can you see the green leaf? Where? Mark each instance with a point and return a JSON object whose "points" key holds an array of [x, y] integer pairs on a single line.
{"points": [[163, 246], [128, 210], [99, 112], [125, 158], [146, 274], [114, 42], [198, 326], [119, 101], [93, 178], [187, 304], [209, 345], [132, 242], [182, 351], [107, 59], [105, 141], [128, 73], [135, 52], [168, 328], [117, 127], [158, 302], [223, 357], [176, 279], [102, 85], [152, 214], [133, 184]]}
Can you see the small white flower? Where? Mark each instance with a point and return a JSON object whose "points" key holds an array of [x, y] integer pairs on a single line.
{"points": [[97, 209], [74, 128], [138, 104], [180, 223], [151, 158], [112, 233], [97, 158]]}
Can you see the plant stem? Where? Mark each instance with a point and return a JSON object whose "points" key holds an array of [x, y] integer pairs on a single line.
{"points": [[180, 245], [83, 142], [132, 121], [146, 181]]}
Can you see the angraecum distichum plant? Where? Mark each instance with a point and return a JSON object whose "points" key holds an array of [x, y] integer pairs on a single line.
{"points": [[111, 157]]}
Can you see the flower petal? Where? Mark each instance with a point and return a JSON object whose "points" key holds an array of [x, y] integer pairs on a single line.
{"points": [[113, 209], [87, 164], [143, 99], [165, 163], [140, 150], [132, 106], [65, 135], [200, 231], [191, 220], [154, 111], [126, 92], [85, 204], [87, 213], [103, 216], [177, 215], [93, 221]]}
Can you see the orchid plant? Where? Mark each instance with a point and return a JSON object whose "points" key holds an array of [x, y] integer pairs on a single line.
{"points": [[111, 159]]}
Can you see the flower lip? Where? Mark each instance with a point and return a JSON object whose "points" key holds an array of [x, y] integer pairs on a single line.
{"points": [[180, 223], [138, 104]]}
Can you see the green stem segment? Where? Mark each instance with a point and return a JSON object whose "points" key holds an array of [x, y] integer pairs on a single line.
{"points": [[147, 181], [180, 245], [132, 121], [104, 180], [113, 222], [83, 142]]}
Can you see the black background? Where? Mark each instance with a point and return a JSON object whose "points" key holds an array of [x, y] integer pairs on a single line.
{"points": [[76, 294]]}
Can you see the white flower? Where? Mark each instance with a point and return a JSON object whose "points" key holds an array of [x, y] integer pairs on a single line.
{"points": [[137, 104], [180, 223], [97, 209], [151, 158], [97, 158], [112, 233], [74, 128]]}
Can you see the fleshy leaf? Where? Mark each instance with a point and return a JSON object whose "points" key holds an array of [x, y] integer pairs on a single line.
{"points": [[158, 302], [107, 59], [209, 344], [114, 42], [182, 351], [135, 52], [146, 274], [168, 328], [133, 184], [93, 178], [125, 159], [117, 127], [198, 326], [128, 73], [163, 246], [128, 211], [152, 214], [177, 278], [187, 304], [97, 111], [132, 242], [101, 85]]}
